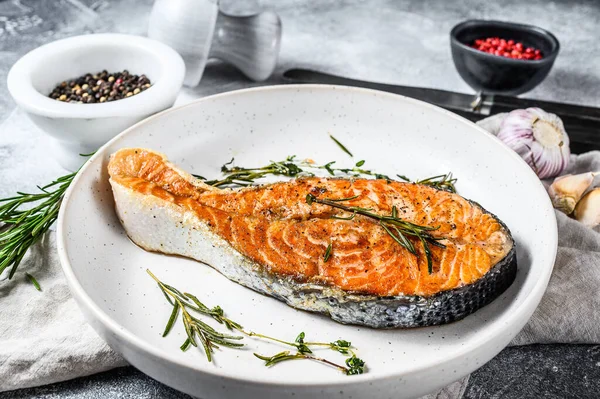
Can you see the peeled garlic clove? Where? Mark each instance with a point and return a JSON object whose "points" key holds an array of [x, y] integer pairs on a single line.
{"points": [[587, 210], [566, 190], [539, 138]]}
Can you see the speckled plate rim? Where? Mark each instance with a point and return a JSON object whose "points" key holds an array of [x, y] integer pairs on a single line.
{"points": [[517, 317]]}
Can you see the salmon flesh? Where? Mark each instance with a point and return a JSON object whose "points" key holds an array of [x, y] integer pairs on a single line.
{"points": [[268, 238]]}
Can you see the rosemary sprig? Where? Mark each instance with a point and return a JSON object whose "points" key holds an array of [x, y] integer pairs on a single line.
{"points": [[210, 339], [195, 328], [343, 147], [396, 227], [21, 228]]}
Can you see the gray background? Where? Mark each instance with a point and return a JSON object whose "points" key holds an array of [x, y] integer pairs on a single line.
{"points": [[403, 42]]}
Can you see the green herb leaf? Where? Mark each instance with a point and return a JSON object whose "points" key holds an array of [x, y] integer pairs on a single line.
{"points": [[360, 163], [172, 319], [382, 177], [327, 253], [278, 358], [33, 281], [185, 345], [190, 334], [427, 255], [405, 241], [342, 343], [344, 218], [341, 346], [300, 345], [343, 147], [225, 168], [328, 168], [177, 292], [399, 238], [355, 365]]}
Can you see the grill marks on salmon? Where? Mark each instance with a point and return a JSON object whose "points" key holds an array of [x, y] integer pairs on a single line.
{"points": [[284, 238]]}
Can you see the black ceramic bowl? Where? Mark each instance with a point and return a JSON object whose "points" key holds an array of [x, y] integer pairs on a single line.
{"points": [[496, 74]]}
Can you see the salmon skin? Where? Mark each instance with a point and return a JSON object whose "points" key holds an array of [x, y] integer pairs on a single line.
{"points": [[268, 238]]}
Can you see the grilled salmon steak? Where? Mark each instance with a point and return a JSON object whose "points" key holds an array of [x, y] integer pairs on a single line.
{"points": [[318, 257]]}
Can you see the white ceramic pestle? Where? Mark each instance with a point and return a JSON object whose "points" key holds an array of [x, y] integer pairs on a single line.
{"points": [[199, 31]]}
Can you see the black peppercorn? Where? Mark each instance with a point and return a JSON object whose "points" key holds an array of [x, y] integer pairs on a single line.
{"points": [[100, 87]]}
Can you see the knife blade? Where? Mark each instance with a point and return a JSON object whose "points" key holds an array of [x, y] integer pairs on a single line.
{"points": [[582, 123]]}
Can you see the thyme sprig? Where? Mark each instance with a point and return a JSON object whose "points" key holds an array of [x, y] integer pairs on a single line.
{"points": [[394, 226], [21, 228], [354, 365], [441, 182], [342, 346], [238, 176], [210, 338], [355, 171]]}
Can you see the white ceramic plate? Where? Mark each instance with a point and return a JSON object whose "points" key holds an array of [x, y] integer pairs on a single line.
{"points": [[106, 272]]}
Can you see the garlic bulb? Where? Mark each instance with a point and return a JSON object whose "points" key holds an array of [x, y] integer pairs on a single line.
{"points": [[539, 138], [566, 190], [492, 123], [587, 210]]}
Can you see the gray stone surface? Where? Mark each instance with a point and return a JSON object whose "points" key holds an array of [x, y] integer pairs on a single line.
{"points": [[539, 371], [124, 382], [403, 42], [529, 372]]}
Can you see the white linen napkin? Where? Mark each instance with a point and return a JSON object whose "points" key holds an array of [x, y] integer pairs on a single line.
{"points": [[44, 337]]}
